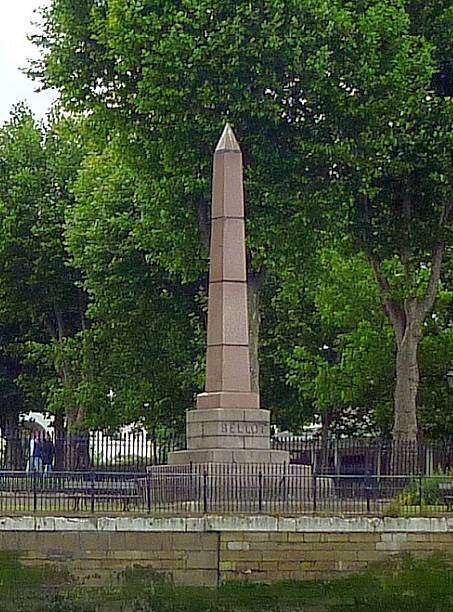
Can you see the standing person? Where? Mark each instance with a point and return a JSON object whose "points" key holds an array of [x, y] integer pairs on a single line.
{"points": [[48, 453], [35, 453]]}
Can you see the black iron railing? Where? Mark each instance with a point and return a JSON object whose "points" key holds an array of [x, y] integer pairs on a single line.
{"points": [[130, 451], [371, 456], [135, 451], [212, 488]]}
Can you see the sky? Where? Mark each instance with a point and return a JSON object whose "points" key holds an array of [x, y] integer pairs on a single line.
{"points": [[15, 50]]}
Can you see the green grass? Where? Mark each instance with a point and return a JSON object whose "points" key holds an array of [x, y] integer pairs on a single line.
{"points": [[404, 584]]}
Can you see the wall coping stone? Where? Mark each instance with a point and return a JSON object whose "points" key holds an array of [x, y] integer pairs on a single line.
{"points": [[227, 522]]}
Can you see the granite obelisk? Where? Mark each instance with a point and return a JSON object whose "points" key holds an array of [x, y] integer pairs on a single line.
{"points": [[228, 426]]}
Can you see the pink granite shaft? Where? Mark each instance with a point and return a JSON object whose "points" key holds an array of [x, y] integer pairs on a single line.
{"points": [[228, 360]]}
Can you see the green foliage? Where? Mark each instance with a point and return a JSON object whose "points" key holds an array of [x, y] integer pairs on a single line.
{"points": [[339, 354], [86, 311], [39, 293], [143, 342], [343, 131], [35, 168], [22, 587], [423, 494], [347, 369]]}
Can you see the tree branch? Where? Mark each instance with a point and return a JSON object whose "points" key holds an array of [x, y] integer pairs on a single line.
{"points": [[431, 290], [445, 214], [49, 327], [406, 248], [60, 323], [392, 308]]}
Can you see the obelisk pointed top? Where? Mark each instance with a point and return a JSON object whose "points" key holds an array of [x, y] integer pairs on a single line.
{"points": [[227, 140]]}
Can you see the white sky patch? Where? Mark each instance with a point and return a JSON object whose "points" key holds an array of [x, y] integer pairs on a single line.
{"points": [[16, 17]]}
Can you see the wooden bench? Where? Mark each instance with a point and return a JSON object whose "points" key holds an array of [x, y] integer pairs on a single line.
{"points": [[96, 492], [82, 487]]}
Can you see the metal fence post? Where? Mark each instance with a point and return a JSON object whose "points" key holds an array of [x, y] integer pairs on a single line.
{"points": [[315, 486], [92, 492], [148, 492], [205, 491], [260, 491], [35, 492], [285, 484], [420, 491]]}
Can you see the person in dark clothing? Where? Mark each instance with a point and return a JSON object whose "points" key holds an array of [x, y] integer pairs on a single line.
{"points": [[48, 453], [35, 453]]}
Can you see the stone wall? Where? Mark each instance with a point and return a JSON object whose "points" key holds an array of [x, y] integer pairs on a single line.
{"points": [[100, 557], [212, 549], [264, 556]]}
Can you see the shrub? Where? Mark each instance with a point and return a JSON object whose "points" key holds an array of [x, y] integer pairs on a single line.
{"points": [[421, 492]]}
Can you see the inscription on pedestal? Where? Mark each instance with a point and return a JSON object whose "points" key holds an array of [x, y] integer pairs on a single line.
{"points": [[242, 428]]}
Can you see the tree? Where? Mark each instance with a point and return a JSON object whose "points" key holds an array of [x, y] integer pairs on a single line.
{"points": [[341, 362], [346, 367], [12, 398], [39, 292], [390, 157], [143, 340], [337, 110], [172, 153]]}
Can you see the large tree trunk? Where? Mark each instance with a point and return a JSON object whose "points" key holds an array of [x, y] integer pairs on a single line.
{"points": [[405, 449], [407, 379], [60, 441], [407, 318], [14, 457], [76, 440]]}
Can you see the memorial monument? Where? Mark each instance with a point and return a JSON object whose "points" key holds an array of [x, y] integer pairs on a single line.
{"points": [[228, 425]]}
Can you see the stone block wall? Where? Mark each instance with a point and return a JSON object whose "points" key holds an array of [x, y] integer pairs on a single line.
{"points": [[262, 556], [209, 550], [100, 557]]}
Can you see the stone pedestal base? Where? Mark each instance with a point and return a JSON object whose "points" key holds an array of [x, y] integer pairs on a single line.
{"points": [[235, 456], [228, 427]]}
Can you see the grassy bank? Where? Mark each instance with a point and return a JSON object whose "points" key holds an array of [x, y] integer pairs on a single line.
{"points": [[404, 584]]}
